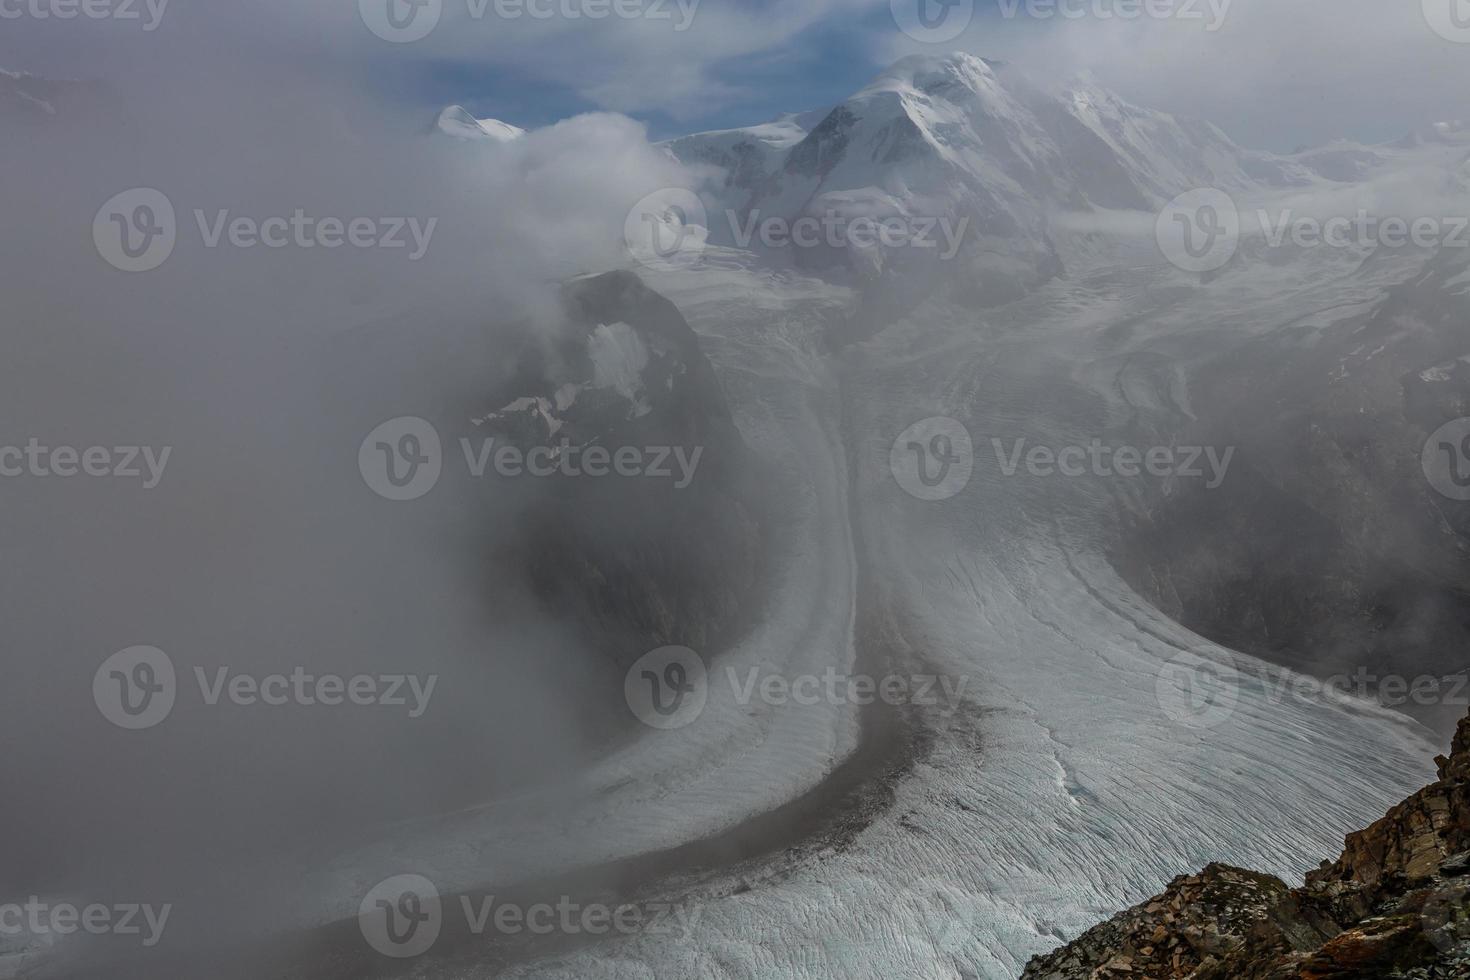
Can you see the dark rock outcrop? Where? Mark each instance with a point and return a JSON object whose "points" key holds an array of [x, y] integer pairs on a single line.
{"points": [[635, 561], [1396, 903]]}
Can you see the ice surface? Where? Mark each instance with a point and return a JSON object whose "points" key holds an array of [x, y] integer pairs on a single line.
{"points": [[1062, 789]]}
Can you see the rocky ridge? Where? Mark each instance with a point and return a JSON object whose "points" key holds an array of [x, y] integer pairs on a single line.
{"points": [[669, 556], [1393, 905]]}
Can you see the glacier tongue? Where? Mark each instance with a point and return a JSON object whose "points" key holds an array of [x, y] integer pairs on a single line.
{"points": [[1062, 789]]}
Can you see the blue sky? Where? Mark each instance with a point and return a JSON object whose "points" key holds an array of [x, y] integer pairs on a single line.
{"points": [[1275, 74], [818, 67]]}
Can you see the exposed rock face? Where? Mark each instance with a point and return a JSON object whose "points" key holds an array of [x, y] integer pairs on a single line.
{"points": [[655, 558], [1395, 904], [1328, 550]]}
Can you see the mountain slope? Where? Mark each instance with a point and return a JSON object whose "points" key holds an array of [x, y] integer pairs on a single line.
{"points": [[1393, 905], [456, 121], [970, 142]]}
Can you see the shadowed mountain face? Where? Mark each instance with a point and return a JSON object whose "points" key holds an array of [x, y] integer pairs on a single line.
{"points": [[666, 547], [1392, 905], [1329, 549]]}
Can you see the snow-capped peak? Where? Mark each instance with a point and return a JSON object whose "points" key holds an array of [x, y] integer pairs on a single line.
{"points": [[970, 141], [456, 121]]}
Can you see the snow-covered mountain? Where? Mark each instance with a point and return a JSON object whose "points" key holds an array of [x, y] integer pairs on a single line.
{"points": [[1018, 169], [457, 122], [967, 139]]}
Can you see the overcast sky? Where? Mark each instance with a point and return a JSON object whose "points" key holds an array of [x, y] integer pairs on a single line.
{"points": [[1276, 74]]}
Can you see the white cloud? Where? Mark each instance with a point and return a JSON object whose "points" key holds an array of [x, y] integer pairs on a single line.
{"points": [[1277, 74]]}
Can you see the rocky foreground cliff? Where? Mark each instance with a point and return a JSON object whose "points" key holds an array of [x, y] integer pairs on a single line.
{"points": [[1396, 903]]}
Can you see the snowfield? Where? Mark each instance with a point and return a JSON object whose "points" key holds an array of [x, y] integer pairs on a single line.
{"points": [[1077, 757], [1081, 767], [1067, 784]]}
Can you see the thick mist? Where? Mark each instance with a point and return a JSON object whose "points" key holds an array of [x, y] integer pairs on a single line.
{"points": [[261, 548]]}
